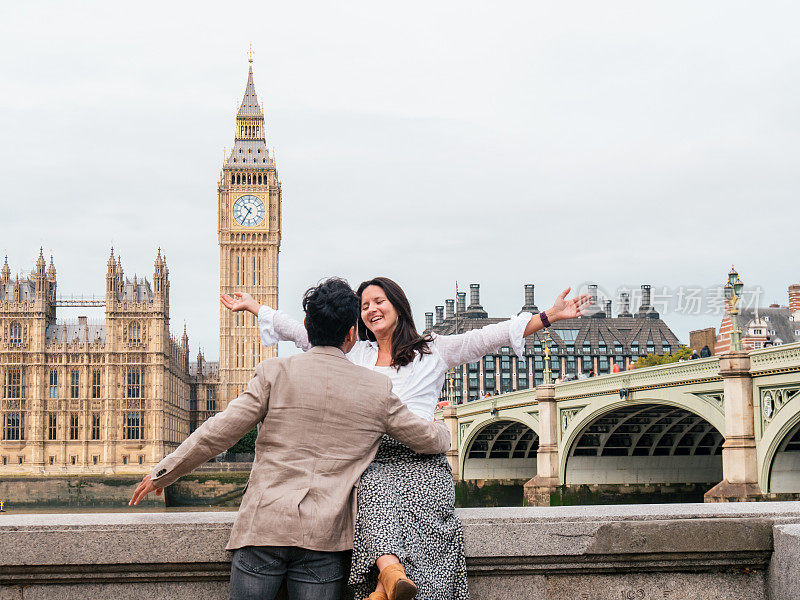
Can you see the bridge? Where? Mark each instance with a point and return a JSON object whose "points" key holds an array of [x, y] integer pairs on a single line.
{"points": [[730, 423]]}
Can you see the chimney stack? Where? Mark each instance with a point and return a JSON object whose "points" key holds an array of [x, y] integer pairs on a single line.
{"points": [[530, 305], [608, 308], [794, 297], [644, 307], [439, 314], [475, 310], [450, 305], [625, 301], [462, 302], [475, 296], [645, 297], [428, 321]]}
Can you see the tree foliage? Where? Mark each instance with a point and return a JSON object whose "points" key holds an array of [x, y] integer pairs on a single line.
{"points": [[651, 360], [246, 445]]}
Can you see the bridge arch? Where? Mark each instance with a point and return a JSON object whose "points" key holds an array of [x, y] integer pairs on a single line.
{"points": [[782, 456], [502, 447], [643, 441]]}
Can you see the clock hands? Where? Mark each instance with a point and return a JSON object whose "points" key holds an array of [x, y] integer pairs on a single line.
{"points": [[243, 216]]}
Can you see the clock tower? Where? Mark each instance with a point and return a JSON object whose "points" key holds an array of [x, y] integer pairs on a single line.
{"points": [[249, 225]]}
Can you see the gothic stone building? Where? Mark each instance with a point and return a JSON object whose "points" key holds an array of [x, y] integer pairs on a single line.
{"points": [[119, 395], [83, 397], [594, 342], [249, 228]]}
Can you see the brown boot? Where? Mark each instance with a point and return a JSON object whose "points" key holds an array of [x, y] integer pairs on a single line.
{"points": [[397, 585], [376, 595]]}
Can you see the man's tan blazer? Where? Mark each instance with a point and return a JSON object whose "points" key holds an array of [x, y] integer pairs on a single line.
{"points": [[321, 419]]}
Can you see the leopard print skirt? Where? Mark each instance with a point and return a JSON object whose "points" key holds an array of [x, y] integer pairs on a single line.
{"points": [[406, 507]]}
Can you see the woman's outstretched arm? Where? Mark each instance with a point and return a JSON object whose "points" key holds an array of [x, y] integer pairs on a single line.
{"points": [[470, 346], [561, 309], [275, 326]]}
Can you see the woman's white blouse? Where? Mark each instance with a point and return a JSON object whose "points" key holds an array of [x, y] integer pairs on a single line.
{"points": [[419, 383]]}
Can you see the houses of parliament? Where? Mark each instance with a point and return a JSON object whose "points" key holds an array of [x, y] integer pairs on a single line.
{"points": [[117, 395]]}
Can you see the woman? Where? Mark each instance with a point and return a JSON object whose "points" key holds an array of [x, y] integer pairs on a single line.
{"points": [[406, 500]]}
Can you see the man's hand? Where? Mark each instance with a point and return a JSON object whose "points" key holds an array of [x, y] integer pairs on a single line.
{"points": [[568, 309], [240, 301], [144, 488]]}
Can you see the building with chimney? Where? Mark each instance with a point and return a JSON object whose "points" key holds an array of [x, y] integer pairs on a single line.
{"points": [[768, 326], [591, 343]]}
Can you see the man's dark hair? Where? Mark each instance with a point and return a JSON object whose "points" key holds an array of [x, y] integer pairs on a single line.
{"points": [[332, 309]]}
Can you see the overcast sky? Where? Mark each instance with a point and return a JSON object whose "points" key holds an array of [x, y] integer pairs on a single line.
{"points": [[554, 143]]}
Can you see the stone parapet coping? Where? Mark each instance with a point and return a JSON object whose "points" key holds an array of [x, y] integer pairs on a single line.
{"points": [[141, 555]]}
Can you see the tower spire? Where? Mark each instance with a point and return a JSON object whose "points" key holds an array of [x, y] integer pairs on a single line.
{"points": [[51, 270], [40, 262], [5, 272], [249, 106]]}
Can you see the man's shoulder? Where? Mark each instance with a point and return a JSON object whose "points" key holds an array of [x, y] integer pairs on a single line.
{"points": [[339, 363]]}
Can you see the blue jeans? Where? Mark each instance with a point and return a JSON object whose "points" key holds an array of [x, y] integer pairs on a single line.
{"points": [[258, 571]]}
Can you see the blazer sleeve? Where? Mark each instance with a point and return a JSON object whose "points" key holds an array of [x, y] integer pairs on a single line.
{"points": [[218, 433], [421, 435]]}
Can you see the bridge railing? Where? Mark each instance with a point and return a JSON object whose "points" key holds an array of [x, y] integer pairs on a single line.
{"points": [[690, 371], [767, 360], [775, 358]]}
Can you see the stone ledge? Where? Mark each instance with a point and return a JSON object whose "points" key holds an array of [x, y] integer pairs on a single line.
{"points": [[784, 580], [541, 553]]}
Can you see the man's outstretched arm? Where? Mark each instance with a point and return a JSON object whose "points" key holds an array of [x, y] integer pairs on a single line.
{"points": [[217, 434]]}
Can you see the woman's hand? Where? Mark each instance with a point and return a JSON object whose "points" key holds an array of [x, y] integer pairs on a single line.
{"points": [[240, 301], [567, 309]]}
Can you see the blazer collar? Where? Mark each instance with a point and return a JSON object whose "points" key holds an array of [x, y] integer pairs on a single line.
{"points": [[329, 350]]}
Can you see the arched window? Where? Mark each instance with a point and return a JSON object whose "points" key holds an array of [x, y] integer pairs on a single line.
{"points": [[259, 180], [248, 178], [15, 334], [238, 178], [134, 333], [233, 179]]}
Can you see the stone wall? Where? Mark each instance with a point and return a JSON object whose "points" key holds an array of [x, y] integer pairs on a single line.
{"points": [[647, 552], [214, 484], [71, 490], [202, 488]]}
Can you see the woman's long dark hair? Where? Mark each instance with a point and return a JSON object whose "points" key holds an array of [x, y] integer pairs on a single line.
{"points": [[406, 342]]}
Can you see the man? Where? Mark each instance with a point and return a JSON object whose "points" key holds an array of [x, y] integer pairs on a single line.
{"points": [[321, 419]]}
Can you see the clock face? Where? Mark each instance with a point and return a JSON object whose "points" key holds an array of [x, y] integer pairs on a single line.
{"points": [[248, 211]]}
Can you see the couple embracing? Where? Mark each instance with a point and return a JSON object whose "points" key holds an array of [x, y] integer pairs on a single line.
{"points": [[348, 424]]}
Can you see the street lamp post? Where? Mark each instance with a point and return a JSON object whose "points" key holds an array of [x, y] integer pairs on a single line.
{"points": [[733, 293], [547, 375]]}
